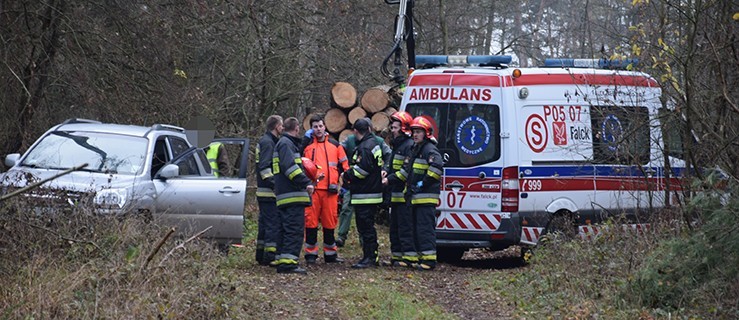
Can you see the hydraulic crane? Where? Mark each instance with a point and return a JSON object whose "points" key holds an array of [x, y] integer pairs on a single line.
{"points": [[403, 33]]}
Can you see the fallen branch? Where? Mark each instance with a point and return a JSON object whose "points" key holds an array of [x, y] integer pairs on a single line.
{"points": [[156, 248], [182, 245]]}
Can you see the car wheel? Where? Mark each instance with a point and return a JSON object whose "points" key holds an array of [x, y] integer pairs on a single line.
{"points": [[562, 225]]}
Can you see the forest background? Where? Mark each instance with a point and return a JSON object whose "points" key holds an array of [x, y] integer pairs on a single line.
{"points": [[236, 62]]}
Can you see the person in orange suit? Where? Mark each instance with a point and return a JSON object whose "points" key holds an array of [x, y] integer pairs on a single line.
{"points": [[331, 161]]}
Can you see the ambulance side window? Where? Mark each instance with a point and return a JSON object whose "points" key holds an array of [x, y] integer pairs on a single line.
{"points": [[620, 134]]}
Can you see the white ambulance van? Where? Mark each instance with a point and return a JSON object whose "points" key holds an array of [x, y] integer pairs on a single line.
{"points": [[531, 150]]}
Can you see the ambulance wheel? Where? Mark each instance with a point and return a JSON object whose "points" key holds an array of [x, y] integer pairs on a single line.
{"points": [[562, 225], [449, 255]]}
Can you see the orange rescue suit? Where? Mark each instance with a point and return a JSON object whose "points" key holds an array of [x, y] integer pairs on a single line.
{"points": [[328, 155]]}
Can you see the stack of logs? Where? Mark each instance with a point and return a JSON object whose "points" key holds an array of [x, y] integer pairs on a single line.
{"points": [[377, 103]]}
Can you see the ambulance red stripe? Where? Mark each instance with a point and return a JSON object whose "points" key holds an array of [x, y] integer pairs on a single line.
{"points": [[471, 219], [459, 221]]}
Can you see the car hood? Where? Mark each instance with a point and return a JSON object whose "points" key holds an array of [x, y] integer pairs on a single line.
{"points": [[81, 181]]}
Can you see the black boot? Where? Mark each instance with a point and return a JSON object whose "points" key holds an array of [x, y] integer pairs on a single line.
{"points": [[333, 259], [365, 263], [260, 257], [310, 259], [291, 269], [267, 258]]}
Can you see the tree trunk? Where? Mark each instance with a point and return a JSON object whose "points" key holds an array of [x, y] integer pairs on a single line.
{"points": [[335, 120], [343, 95]]}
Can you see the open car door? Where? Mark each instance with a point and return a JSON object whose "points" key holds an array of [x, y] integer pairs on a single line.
{"points": [[191, 198]]}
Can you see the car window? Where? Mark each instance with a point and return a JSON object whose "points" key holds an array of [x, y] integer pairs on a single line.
{"points": [[193, 162], [621, 134], [178, 146], [103, 152], [160, 156], [468, 134]]}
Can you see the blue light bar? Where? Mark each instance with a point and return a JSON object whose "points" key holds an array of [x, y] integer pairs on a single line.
{"points": [[435, 60], [590, 63]]}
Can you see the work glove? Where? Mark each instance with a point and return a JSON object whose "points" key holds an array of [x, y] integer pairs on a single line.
{"points": [[309, 133]]}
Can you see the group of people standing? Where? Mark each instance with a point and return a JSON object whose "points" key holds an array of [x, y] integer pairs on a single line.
{"points": [[292, 204]]}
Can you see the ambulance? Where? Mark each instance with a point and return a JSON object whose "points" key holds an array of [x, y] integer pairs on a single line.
{"points": [[530, 151]]}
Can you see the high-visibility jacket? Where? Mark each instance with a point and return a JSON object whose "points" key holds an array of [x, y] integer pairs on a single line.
{"points": [[331, 160], [396, 174], [265, 177], [365, 176], [290, 178], [212, 155], [426, 165]]}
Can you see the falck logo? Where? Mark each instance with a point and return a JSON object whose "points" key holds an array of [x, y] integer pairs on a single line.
{"points": [[560, 133]]}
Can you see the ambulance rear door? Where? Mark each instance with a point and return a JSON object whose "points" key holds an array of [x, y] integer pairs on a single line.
{"points": [[465, 111]]}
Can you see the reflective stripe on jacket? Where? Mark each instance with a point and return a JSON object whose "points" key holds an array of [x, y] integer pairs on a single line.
{"points": [[426, 165], [263, 167], [289, 176], [364, 176]]}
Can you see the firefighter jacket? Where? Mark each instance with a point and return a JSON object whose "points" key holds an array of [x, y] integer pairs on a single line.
{"points": [[425, 169], [396, 173], [289, 176], [351, 142], [331, 160], [364, 176], [263, 157]]}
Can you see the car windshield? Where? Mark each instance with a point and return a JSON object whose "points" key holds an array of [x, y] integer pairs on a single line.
{"points": [[103, 152]]}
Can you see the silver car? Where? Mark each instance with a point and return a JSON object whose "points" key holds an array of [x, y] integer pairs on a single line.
{"points": [[134, 169]]}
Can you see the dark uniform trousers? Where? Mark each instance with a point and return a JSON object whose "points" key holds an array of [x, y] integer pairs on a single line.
{"points": [[268, 228], [402, 239], [365, 219], [292, 227], [425, 223]]}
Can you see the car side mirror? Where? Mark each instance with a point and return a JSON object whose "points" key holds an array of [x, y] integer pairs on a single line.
{"points": [[169, 171], [12, 159]]}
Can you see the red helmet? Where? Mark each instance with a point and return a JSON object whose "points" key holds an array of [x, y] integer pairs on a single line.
{"points": [[405, 119], [423, 123], [311, 170]]}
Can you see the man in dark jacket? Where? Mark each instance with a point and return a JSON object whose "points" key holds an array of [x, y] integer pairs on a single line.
{"points": [[402, 242], [423, 189], [364, 178], [267, 223], [347, 211], [293, 190]]}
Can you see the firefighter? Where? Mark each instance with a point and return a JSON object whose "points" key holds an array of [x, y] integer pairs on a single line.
{"points": [[267, 222], [402, 246], [346, 212], [364, 178], [422, 190], [293, 191], [218, 159], [331, 161]]}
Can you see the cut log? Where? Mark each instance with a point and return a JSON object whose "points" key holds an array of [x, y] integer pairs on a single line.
{"points": [[356, 113], [390, 111], [376, 99], [343, 95], [345, 133], [335, 120], [380, 121], [306, 120]]}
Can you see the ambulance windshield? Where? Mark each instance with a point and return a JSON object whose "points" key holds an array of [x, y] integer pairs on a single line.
{"points": [[468, 133]]}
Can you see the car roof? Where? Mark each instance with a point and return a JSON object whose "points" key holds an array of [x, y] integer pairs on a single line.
{"points": [[124, 129]]}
